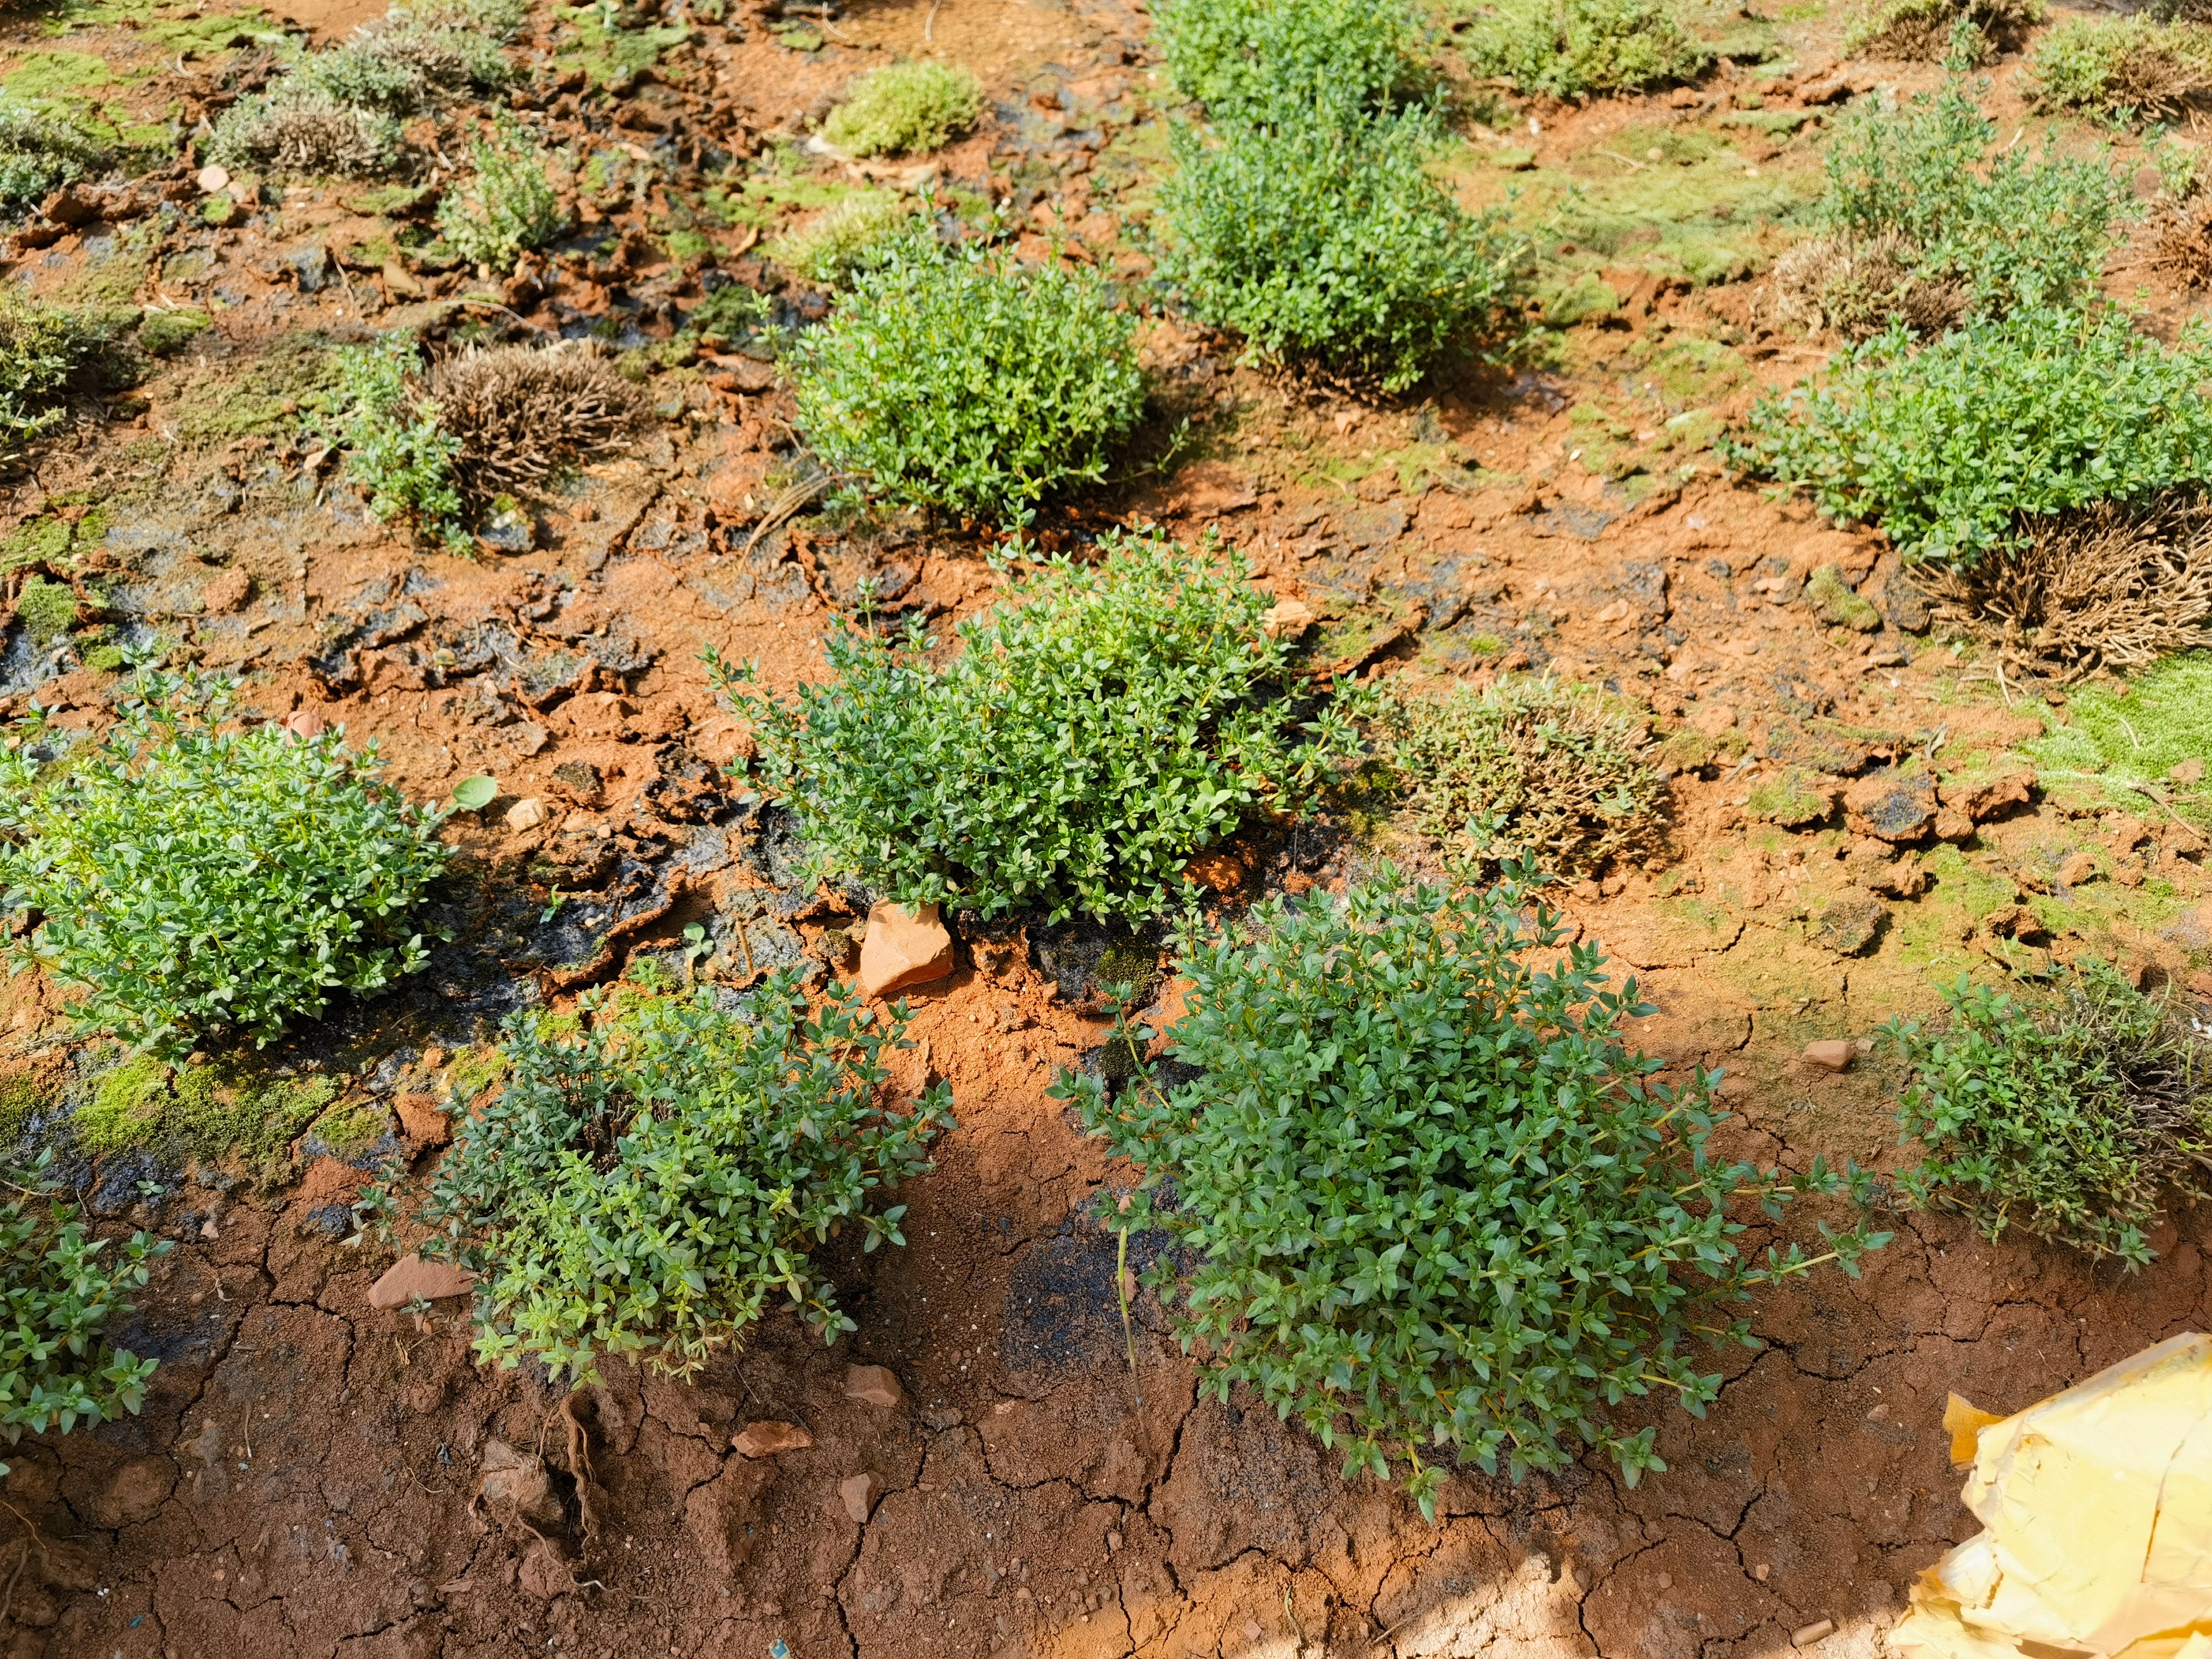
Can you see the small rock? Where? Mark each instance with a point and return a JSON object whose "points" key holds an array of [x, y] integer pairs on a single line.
{"points": [[1835, 604], [2082, 868], [904, 948], [1833, 1053], [73, 206], [422, 1121], [542, 1573], [858, 1493], [1892, 808], [530, 737], [1805, 1635], [2188, 772], [1286, 619], [1992, 798], [304, 723], [1711, 719], [1852, 922], [2015, 921], [525, 814], [411, 1279], [766, 1439], [580, 782], [225, 592], [136, 1492], [1954, 826], [873, 1385], [212, 178]]}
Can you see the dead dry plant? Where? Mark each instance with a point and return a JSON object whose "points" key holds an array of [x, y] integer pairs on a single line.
{"points": [[2103, 587], [523, 413], [1919, 31], [2181, 241], [1859, 289]]}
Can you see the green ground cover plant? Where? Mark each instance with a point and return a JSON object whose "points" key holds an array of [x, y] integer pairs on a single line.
{"points": [[646, 1181], [968, 383], [2121, 69], [1425, 1199], [2005, 227], [1525, 770], [909, 109], [1575, 48], [59, 1288], [1954, 446], [1256, 61], [49, 354], [508, 206], [186, 874], [1099, 727], [2070, 1113], [1328, 245], [39, 153], [845, 239], [396, 450]]}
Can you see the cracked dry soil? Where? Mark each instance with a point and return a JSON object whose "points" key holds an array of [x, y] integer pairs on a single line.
{"points": [[304, 1479]]}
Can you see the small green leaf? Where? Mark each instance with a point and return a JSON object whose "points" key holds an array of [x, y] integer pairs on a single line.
{"points": [[474, 794]]}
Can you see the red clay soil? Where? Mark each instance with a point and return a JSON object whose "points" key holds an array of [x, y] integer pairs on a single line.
{"points": [[313, 1478]]}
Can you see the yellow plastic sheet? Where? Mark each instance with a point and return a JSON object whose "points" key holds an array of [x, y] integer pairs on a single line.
{"points": [[2097, 1508]]}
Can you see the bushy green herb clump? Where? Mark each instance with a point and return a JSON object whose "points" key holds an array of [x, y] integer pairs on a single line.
{"points": [[1099, 727], [911, 108], [1328, 244], [38, 154], [969, 383], [2121, 68], [1573, 48], [48, 354], [57, 1293], [2068, 1115], [508, 207], [1952, 448], [1256, 61], [643, 1185], [857, 233], [2013, 228], [338, 113], [189, 875], [1527, 770], [396, 449], [1425, 1198]]}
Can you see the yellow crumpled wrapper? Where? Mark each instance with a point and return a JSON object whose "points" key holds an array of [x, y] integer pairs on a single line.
{"points": [[2098, 1506]]}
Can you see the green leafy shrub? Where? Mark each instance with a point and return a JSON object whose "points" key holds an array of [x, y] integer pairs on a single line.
{"points": [[1098, 728], [2121, 68], [508, 206], [1251, 60], [1328, 244], [1952, 448], [911, 108], [187, 875], [641, 1186], [969, 383], [2068, 1115], [2007, 229], [1573, 48], [1422, 1195], [49, 354], [38, 154], [395, 449], [845, 239], [57, 1293], [1526, 770]]}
